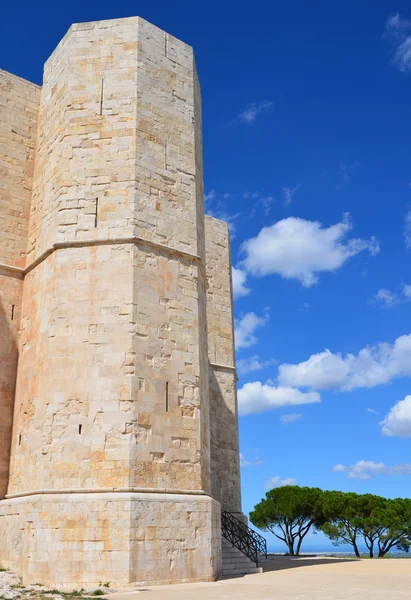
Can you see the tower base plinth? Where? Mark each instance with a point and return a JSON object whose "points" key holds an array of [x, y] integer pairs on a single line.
{"points": [[74, 540]]}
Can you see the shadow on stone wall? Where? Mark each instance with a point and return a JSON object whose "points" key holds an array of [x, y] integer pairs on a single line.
{"points": [[9, 292], [224, 440]]}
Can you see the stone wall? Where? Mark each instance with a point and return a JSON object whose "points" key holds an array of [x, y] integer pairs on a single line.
{"points": [[225, 467], [79, 540], [10, 301], [112, 384], [19, 101], [19, 105]]}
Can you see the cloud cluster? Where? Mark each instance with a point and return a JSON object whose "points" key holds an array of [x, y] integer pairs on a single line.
{"points": [[253, 363], [256, 397], [372, 366], [250, 463], [299, 249], [239, 287], [365, 469], [288, 194], [295, 248], [398, 31], [245, 328], [387, 299], [398, 421], [252, 110], [276, 482]]}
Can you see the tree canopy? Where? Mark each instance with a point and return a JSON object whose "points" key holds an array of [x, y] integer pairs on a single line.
{"points": [[290, 512]]}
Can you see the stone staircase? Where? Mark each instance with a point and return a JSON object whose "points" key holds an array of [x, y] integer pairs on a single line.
{"points": [[235, 562]]}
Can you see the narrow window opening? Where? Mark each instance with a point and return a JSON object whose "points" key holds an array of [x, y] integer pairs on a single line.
{"points": [[166, 396], [96, 216], [80, 427], [20, 439], [101, 96], [12, 312]]}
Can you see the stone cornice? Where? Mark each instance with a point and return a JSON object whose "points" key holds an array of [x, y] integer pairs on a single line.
{"points": [[133, 490], [108, 242]]}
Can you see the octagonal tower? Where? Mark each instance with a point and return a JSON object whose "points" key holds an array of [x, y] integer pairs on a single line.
{"points": [[111, 460]]}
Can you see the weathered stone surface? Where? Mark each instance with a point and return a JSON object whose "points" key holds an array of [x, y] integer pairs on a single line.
{"points": [[118, 462], [225, 467], [19, 106], [78, 540], [19, 103]]}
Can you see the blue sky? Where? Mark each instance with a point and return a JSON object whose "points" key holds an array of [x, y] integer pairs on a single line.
{"points": [[307, 155]]}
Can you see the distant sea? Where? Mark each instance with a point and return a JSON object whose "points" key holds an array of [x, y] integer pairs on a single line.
{"points": [[340, 552]]}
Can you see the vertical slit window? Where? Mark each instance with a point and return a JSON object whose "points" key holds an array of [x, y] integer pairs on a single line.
{"points": [[96, 216], [101, 96], [12, 312], [166, 396], [80, 427]]}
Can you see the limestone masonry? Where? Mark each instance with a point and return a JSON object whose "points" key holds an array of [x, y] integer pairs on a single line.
{"points": [[118, 403]]}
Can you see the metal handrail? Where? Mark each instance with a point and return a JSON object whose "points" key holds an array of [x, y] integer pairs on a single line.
{"points": [[248, 541]]}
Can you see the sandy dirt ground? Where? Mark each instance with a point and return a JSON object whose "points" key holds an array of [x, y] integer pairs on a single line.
{"points": [[298, 578], [305, 578]]}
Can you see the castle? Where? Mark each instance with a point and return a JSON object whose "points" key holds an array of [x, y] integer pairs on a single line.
{"points": [[118, 408]]}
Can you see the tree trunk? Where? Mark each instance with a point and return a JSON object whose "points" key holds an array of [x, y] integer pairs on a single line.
{"points": [[357, 552]]}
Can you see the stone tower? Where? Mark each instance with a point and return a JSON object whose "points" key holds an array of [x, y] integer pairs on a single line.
{"points": [[118, 409]]}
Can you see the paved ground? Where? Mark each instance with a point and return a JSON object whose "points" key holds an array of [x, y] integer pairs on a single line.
{"points": [[297, 579]]}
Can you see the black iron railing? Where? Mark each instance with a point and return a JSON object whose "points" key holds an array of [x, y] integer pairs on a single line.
{"points": [[242, 537]]}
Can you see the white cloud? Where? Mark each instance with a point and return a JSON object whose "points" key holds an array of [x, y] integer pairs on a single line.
{"points": [[406, 290], [385, 298], [298, 249], [372, 411], [253, 363], [374, 365], [365, 469], [210, 196], [239, 287], [404, 469], [252, 110], [291, 418], [399, 32], [250, 463], [276, 482], [398, 421], [407, 230], [256, 397], [288, 194], [265, 201], [340, 468], [245, 329]]}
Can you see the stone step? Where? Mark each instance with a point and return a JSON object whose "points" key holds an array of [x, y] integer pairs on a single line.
{"points": [[241, 564], [236, 562], [234, 554]]}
